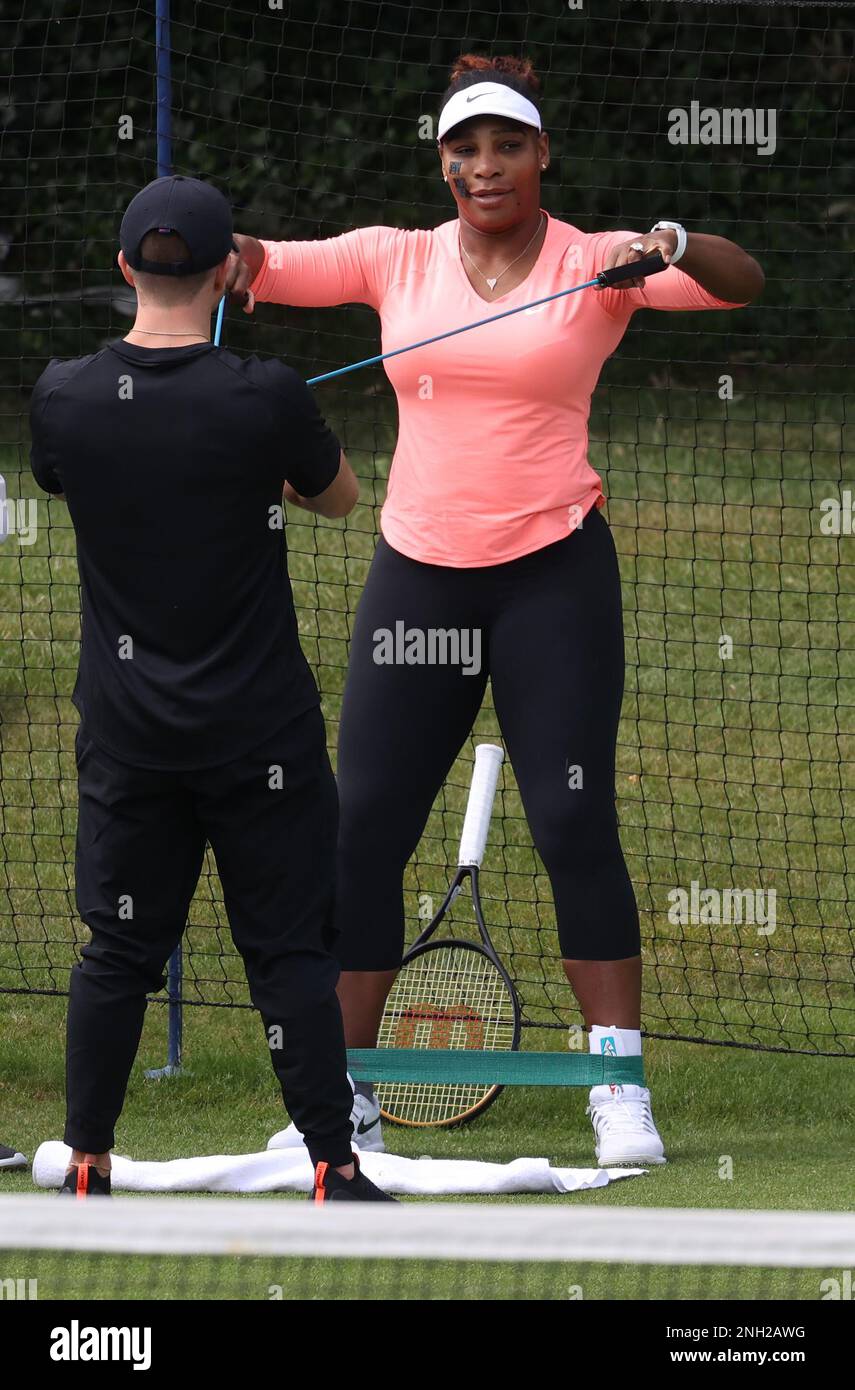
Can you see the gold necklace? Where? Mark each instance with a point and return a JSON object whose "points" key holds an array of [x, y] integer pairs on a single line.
{"points": [[493, 282]]}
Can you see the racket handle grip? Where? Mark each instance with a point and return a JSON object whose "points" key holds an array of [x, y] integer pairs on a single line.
{"points": [[479, 807], [648, 265]]}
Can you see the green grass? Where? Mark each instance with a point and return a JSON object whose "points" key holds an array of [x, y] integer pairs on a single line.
{"points": [[735, 773], [785, 1122], [241, 1277], [780, 1125]]}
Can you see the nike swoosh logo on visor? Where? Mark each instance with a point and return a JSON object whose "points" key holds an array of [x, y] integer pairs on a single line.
{"points": [[479, 95]]}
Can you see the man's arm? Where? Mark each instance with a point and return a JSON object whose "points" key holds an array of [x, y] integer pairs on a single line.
{"points": [[42, 463], [339, 499]]}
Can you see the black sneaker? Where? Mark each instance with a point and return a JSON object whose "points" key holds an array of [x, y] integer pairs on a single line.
{"points": [[10, 1158], [330, 1186], [85, 1181]]}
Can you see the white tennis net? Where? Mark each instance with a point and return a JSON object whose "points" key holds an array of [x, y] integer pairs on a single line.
{"points": [[246, 1248]]}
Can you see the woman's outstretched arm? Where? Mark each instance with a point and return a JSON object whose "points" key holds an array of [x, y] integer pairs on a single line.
{"points": [[719, 266], [354, 268]]}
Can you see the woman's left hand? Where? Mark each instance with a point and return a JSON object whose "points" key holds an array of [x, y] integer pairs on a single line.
{"points": [[629, 251]]}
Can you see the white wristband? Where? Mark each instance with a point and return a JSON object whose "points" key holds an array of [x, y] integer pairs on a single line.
{"points": [[682, 237]]}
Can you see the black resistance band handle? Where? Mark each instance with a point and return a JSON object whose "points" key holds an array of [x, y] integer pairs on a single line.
{"points": [[648, 265]]}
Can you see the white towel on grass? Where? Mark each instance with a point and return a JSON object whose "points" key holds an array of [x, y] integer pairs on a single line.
{"points": [[290, 1170]]}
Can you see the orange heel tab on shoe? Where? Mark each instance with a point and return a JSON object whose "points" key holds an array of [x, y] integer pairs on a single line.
{"points": [[82, 1179], [320, 1175]]}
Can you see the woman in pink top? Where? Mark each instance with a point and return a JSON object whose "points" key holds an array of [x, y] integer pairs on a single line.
{"points": [[491, 529]]}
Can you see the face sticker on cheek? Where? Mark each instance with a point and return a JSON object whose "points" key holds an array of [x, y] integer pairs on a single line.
{"points": [[454, 167], [460, 185]]}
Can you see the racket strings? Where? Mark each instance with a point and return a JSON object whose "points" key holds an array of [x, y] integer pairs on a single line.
{"points": [[450, 998]]}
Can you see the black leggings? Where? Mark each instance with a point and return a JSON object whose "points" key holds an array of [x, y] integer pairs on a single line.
{"points": [[551, 642]]}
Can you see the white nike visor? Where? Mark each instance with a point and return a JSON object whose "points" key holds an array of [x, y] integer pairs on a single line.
{"points": [[487, 99]]}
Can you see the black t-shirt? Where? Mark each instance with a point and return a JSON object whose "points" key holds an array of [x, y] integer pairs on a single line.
{"points": [[172, 462]]}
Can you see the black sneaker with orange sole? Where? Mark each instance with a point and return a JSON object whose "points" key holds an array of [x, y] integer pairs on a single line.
{"points": [[330, 1186], [85, 1181]]}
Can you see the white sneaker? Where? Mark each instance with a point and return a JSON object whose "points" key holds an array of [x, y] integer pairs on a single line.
{"points": [[623, 1126], [367, 1130], [10, 1158]]}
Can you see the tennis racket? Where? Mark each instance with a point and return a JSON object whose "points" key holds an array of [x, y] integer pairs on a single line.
{"points": [[452, 993]]}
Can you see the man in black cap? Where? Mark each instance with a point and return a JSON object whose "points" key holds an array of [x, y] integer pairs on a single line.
{"points": [[199, 717]]}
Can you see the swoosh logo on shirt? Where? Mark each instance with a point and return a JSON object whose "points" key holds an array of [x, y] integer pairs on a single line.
{"points": [[363, 1128]]}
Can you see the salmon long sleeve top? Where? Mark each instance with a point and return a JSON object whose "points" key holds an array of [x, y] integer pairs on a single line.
{"points": [[491, 461]]}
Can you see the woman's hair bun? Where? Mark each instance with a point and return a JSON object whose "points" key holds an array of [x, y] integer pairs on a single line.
{"points": [[520, 68]]}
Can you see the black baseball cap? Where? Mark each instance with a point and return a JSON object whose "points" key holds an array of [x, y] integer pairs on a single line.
{"points": [[196, 211]]}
